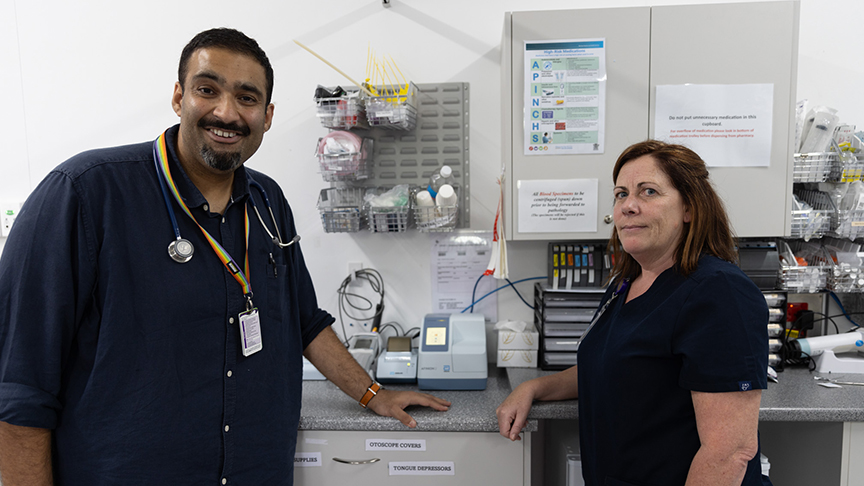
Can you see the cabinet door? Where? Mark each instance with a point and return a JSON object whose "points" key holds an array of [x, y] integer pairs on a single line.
{"points": [[746, 43], [477, 457], [627, 34]]}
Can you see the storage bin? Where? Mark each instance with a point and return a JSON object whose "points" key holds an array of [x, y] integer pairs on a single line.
{"points": [[395, 108], [341, 209], [348, 166], [342, 112], [816, 167]]}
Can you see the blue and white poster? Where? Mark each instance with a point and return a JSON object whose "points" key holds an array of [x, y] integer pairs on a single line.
{"points": [[565, 96]]}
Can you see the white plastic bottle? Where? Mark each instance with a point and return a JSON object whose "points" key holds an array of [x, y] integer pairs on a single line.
{"points": [[440, 177], [446, 196]]}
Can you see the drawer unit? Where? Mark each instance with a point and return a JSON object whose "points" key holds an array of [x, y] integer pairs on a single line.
{"points": [[562, 316]]}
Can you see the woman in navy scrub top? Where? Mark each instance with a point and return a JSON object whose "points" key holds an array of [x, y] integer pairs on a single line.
{"points": [[670, 376]]}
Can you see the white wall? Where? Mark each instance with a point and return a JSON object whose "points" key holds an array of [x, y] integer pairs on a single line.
{"points": [[91, 73]]}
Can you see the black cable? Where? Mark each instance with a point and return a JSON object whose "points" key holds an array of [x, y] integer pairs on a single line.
{"points": [[829, 318], [846, 315], [376, 281], [395, 326], [413, 329], [475, 302], [517, 293]]}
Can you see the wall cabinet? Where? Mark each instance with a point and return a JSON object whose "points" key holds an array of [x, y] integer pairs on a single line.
{"points": [[742, 43]]}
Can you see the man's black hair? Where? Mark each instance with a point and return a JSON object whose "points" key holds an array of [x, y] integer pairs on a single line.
{"points": [[230, 39]]}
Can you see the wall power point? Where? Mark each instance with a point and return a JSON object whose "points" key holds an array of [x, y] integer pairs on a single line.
{"points": [[353, 268]]}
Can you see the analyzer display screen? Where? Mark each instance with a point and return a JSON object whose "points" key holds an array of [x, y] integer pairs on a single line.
{"points": [[436, 336]]}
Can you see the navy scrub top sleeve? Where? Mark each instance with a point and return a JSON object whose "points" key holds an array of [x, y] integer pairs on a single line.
{"points": [[722, 335], [47, 274]]}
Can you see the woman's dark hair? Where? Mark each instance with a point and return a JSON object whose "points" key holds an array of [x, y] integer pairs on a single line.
{"points": [[230, 39], [708, 231]]}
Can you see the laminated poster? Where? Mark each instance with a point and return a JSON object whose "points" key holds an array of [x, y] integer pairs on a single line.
{"points": [[565, 96]]}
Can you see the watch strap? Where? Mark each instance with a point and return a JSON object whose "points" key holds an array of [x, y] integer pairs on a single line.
{"points": [[370, 393]]}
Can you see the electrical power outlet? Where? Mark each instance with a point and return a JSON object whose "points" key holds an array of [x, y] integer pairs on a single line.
{"points": [[8, 213], [353, 268]]}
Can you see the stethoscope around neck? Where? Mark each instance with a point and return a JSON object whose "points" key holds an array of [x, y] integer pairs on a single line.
{"points": [[181, 250]]}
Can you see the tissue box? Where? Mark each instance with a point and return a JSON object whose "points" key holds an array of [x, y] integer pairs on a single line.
{"points": [[529, 339], [517, 358]]}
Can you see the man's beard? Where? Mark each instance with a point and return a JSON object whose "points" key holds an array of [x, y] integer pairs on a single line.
{"points": [[223, 161]]}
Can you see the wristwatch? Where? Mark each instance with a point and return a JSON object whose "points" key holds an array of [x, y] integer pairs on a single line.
{"points": [[370, 393]]}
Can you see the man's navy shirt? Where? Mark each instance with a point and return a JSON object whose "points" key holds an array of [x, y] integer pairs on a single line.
{"points": [[134, 360]]}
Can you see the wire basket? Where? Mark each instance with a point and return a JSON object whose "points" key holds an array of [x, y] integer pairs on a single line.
{"points": [[342, 112], [852, 168], [846, 273], [814, 222], [846, 278], [809, 276], [394, 109], [429, 219], [849, 223], [349, 166], [816, 167], [341, 209], [388, 220]]}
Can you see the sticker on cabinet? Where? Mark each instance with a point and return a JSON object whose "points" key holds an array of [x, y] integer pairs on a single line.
{"points": [[307, 459], [424, 468]]}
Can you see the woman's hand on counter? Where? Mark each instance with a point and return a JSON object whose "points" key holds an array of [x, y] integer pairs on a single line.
{"points": [[513, 412], [392, 403]]}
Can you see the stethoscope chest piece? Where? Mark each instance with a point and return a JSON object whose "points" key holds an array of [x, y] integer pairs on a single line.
{"points": [[181, 250]]}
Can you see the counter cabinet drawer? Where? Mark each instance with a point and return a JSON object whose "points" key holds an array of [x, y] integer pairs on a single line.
{"points": [[476, 458]]}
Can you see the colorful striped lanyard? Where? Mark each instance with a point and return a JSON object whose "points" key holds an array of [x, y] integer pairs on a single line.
{"points": [[160, 152]]}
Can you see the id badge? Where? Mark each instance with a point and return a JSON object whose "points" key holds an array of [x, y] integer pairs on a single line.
{"points": [[250, 332]]}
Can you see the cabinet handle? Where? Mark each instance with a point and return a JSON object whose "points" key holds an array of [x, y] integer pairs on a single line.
{"points": [[354, 463]]}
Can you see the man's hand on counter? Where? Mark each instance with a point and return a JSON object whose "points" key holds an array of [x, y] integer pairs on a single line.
{"points": [[390, 403], [337, 365]]}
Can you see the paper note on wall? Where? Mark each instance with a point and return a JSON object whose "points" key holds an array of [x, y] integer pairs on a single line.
{"points": [[728, 125], [458, 261], [557, 206]]}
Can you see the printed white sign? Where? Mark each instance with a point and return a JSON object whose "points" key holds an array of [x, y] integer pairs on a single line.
{"points": [[396, 445], [427, 468], [307, 459], [728, 125], [557, 206]]}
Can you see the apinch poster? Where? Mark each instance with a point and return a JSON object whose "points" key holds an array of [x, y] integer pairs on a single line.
{"points": [[565, 97]]}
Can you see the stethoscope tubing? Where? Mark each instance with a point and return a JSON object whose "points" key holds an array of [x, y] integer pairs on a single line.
{"points": [[161, 177], [277, 240]]}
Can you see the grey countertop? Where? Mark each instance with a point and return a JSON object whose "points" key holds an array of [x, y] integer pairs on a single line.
{"points": [[799, 398], [796, 398], [325, 407]]}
